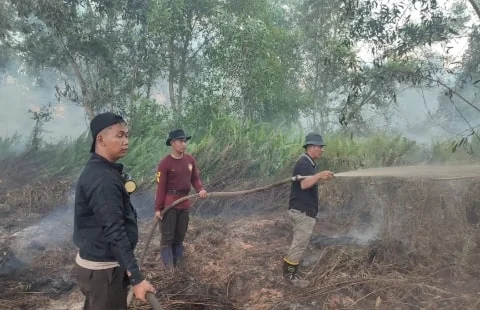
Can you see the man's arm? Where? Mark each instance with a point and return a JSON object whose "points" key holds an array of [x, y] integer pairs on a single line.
{"points": [[304, 168], [161, 179], [314, 179], [196, 182], [108, 207]]}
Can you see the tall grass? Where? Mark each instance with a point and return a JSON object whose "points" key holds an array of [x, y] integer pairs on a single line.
{"points": [[381, 150], [233, 150], [230, 150], [446, 152], [69, 156]]}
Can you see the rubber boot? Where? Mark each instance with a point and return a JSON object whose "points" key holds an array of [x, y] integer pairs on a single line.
{"points": [[178, 251], [167, 258], [290, 274]]}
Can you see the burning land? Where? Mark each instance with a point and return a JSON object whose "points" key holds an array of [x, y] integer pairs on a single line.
{"points": [[380, 242], [357, 120]]}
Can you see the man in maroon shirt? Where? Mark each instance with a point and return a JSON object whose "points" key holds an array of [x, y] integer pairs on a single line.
{"points": [[176, 173]]}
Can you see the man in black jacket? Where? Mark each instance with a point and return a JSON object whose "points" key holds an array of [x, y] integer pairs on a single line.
{"points": [[105, 224]]}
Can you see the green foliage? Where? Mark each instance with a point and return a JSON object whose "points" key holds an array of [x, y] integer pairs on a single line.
{"points": [[264, 60], [253, 63], [183, 31], [394, 31], [67, 158], [238, 74], [231, 150], [95, 46], [465, 149], [380, 150], [148, 118]]}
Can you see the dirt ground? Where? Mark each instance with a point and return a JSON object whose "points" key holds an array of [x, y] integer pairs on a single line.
{"points": [[380, 242]]}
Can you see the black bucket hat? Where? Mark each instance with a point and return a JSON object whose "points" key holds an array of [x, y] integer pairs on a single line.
{"points": [[177, 134], [313, 139], [102, 121]]}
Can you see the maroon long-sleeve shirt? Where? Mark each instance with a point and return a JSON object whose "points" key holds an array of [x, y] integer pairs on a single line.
{"points": [[178, 175]]}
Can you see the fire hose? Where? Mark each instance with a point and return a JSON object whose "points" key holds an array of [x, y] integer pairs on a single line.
{"points": [[152, 300]]}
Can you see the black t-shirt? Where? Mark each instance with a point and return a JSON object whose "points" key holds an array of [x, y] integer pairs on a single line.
{"points": [[305, 200]]}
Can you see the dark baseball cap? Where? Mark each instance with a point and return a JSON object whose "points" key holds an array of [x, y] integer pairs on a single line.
{"points": [[102, 121]]}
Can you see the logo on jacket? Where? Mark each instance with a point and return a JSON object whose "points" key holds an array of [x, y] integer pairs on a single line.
{"points": [[157, 177], [190, 167]]}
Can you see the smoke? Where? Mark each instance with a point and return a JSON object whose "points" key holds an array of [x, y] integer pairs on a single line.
{"points": [[53, 230], [19, 93], [414, 118], [56, 228], [364, 236], [425, 116], [144, 203], [396, 120]]}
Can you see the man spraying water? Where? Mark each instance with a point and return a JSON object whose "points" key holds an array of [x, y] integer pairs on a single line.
{"points": [[303, 205]]}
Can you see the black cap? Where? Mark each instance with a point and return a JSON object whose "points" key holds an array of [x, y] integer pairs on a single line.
{"points": [[102, 121], [313, 139], [177, 134]]}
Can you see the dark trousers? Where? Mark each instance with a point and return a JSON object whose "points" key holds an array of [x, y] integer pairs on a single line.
{"points": [[105, 289], [174, 227]]}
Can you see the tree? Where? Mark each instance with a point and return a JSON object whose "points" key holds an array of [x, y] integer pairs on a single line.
{"points": [[184, 29], [267, 60], [95, 46], [475, 6], [327, 57], [40, 116], [398, 43], [6, 22], [252, 62]]}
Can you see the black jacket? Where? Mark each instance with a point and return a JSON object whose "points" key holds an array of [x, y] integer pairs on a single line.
{"points": [[105, 224]]}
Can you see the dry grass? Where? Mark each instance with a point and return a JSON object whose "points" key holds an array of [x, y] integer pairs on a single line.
{"points": [[423, 253], [24, 198], [38, 197]]}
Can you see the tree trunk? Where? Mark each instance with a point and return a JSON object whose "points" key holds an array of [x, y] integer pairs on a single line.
{"points": [[183, 66], [476, 7], [316, 91], [171, 74], [89, 110], [87, 103]]}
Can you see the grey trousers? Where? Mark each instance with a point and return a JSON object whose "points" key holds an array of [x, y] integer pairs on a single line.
{"points": [[302, 230]]}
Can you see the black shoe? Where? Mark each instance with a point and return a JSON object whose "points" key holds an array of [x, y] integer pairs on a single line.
{"points": [[290, 274]]}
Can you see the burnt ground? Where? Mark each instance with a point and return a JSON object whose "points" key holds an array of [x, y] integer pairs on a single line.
{"points": [[378, 244], [34, 256]]}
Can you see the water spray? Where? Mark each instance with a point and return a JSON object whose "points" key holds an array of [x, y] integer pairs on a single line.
{"points": [[430, 172]]}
